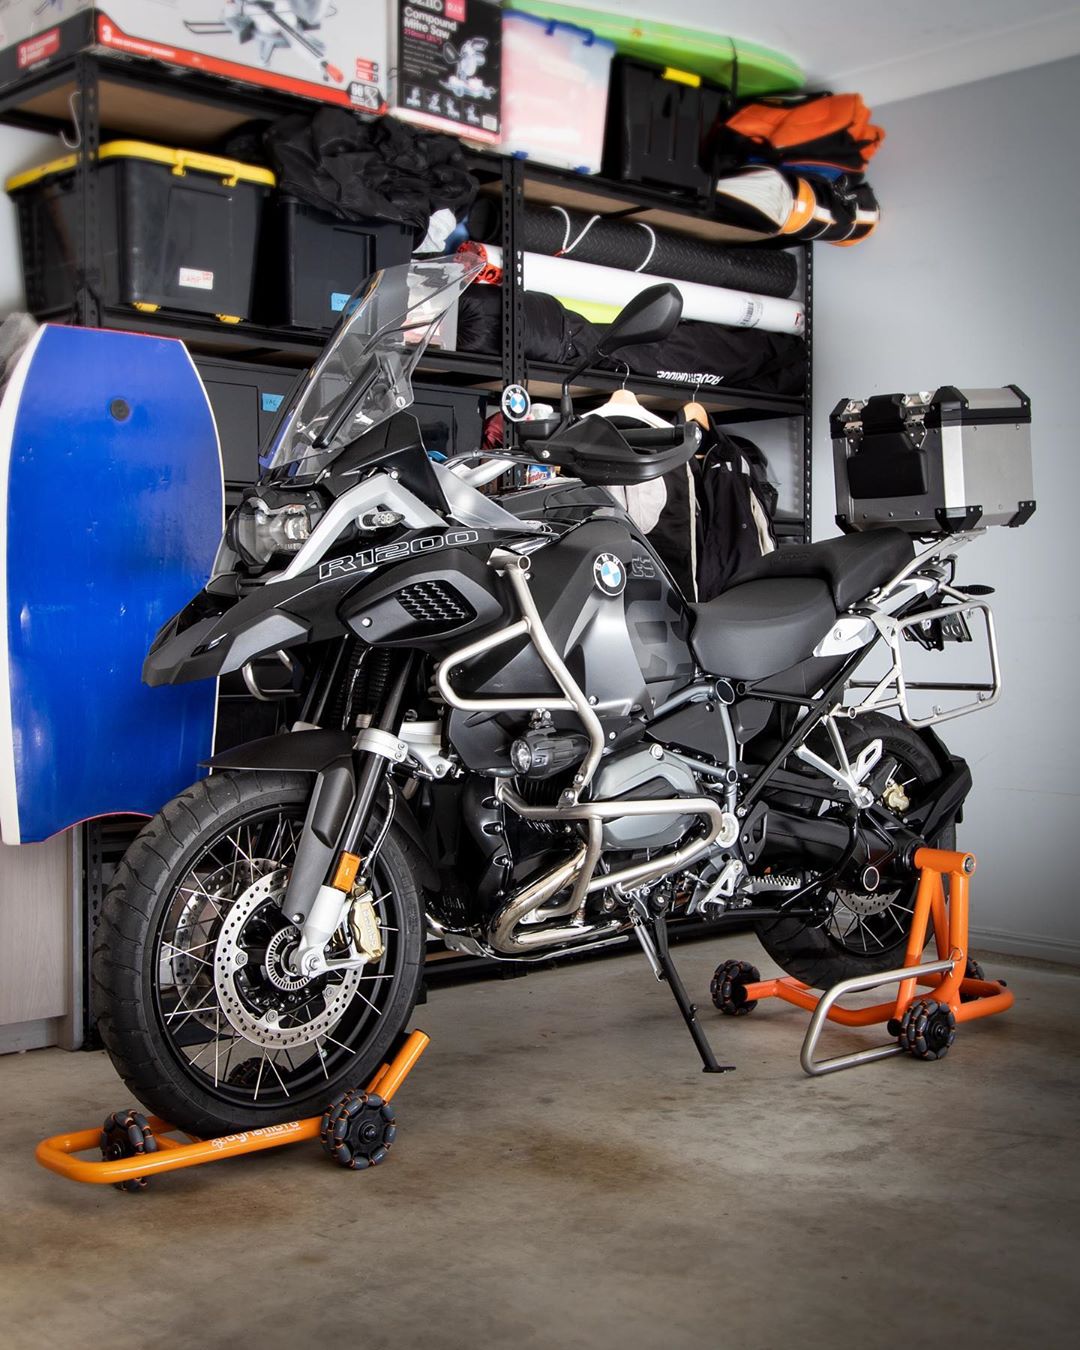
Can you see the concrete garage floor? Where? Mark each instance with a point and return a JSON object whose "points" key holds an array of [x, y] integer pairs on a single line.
{"points": [[565, 1177]]}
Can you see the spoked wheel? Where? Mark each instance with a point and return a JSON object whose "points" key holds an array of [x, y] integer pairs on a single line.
{"points": [[863, 932], [197, 1001]]}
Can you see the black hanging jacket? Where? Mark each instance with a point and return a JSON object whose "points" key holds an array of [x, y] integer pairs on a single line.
{"points": [[728, 530]]}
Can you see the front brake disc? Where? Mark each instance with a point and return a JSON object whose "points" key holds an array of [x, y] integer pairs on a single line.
{"points": [[269, 1027]]}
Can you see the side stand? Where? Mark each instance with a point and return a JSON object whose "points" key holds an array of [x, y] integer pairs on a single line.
{"points": [[651, 932]]}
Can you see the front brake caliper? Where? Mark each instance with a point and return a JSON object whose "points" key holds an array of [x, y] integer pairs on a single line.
{"points": [[364, 925]]}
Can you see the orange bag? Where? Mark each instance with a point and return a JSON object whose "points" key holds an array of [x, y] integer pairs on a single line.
{"points": [[830, 130]]}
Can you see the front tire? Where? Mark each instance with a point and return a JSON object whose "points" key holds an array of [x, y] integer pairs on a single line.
{"points": [[822, 955], [213, 1055]]}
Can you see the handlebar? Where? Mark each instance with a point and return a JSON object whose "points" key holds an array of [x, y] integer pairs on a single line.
{"points": [[653, 438]]}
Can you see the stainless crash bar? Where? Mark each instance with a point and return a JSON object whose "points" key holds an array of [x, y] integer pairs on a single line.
{"points": [[515, 567]]}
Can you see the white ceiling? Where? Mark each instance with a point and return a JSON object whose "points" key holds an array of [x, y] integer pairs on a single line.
{"points": [[886, 49]]}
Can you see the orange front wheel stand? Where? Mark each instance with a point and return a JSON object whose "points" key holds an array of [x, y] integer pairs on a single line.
{"points": [[58, 1153]]}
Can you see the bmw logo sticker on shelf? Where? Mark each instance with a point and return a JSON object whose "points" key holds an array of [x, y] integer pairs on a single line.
{"points": [[609, 574], [516, 403]]}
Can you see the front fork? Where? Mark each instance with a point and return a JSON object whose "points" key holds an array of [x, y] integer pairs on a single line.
{"points": [[329, 863]]}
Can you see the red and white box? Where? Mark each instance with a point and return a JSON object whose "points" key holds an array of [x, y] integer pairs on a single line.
{"points": [[321, 49]]}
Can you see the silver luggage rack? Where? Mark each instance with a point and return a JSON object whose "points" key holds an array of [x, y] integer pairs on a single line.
{"points": [[962, 608]]}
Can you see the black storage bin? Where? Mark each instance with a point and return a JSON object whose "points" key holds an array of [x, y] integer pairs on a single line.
{"points": [[246, 400], [179, 230], [451, 420], [311, 262], [657, 122]]}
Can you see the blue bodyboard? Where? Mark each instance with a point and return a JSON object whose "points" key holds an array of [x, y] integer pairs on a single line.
{"points": [[111, 471]]}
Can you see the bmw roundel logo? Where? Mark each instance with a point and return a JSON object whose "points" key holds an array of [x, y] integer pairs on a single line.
{"points": [[516, 402], [609, 574]]}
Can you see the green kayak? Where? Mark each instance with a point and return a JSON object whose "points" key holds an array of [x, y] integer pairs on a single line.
{"points": [[760, 70]]}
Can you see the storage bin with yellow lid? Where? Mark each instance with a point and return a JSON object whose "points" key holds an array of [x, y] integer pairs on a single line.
{"points": [[179, 230]]}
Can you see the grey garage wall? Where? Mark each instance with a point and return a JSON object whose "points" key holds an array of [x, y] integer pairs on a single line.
{"points": [[974, 278]]}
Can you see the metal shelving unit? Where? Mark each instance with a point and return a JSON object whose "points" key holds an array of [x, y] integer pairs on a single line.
{"points": [[92, 94]]}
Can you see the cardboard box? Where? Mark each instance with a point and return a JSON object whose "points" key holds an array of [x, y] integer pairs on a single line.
{"points": [[447, 60], [331, 50]]}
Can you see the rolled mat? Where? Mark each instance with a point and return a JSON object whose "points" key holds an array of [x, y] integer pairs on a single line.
{"points": [[637, 247], [609, 286], [772, 202]]}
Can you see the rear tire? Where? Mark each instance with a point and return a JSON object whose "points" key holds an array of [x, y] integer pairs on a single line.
{"points": [[813, 954], [142, 945]]}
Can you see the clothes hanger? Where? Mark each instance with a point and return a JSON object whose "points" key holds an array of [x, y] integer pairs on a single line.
{"points": [[624, 395], [694, 412]]}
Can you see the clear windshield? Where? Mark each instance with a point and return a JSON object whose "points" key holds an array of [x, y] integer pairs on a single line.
{"points": [[364, 375]]}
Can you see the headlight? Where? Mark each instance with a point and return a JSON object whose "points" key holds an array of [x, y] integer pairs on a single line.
{"points": [[521, 756], [261, 529]]}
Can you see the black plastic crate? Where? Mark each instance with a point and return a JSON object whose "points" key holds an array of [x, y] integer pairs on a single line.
{"points": [[451, 420], [179, 230], [657, 125], [311, 262], [246, 400]]}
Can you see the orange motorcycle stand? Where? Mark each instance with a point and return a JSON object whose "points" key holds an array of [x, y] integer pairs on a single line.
{"points": [[922, 1024], [356, 1130]]}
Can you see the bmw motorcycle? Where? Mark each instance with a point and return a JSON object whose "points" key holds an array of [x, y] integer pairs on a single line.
{"points": [[516, 736]]}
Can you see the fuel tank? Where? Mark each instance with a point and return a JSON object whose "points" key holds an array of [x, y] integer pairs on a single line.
{"points": [[616, 617]]}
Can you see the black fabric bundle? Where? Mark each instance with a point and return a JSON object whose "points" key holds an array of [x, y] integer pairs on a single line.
{"points": [[552, 333], [634, 246], [696, 354], [359, 170]]}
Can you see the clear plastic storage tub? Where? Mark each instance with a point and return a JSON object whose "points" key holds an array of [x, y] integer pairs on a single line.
{"points": [[555, 89]]}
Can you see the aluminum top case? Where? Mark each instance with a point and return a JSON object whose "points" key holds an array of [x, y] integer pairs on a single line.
{"points": [[933, 464]]}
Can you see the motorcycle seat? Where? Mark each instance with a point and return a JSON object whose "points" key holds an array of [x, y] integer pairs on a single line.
{"points": [[759, 628], [851, 566]]}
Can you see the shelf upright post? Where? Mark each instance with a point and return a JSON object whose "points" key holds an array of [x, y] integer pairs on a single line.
{"points": [[88, 236], [513, 286], [808, 410]]}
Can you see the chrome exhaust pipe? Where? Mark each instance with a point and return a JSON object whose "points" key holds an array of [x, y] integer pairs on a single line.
{"points": [[506, 932], [510, 933]]}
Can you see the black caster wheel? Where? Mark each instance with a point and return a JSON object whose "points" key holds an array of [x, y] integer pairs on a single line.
{"points": [[126, 1134], [972, 971], [728, 987], [927, 1029], [357, 1129]]}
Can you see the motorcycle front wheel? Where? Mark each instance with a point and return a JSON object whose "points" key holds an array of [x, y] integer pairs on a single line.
{"points": [[194, 996]]}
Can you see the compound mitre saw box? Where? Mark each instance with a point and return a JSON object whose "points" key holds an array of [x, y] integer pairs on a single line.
{"points": [[331, 50], [447, 60]]}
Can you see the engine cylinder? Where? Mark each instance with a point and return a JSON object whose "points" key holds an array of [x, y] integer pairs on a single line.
{"points": [[639, 773]]}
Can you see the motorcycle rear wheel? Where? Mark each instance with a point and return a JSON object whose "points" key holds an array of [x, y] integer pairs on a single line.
{"points": [[214, 1053], [862, 934]]}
